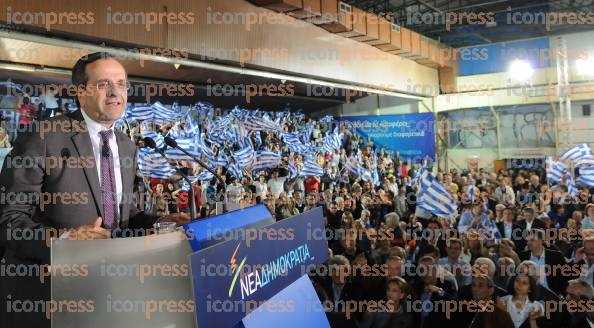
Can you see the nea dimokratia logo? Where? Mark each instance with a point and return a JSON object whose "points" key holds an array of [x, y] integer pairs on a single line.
{"points": [[261, 275]]}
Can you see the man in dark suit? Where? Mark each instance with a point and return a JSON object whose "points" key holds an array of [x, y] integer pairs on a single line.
{"points": [[337, 289], [528, 222], [511, 230], [551, 264], [72, 176]]}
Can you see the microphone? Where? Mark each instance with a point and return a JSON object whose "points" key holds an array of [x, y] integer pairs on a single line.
{"points": [[173, 144], [149, 142]]}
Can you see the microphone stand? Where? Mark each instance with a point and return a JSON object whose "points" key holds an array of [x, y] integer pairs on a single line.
{"points": [[172, 143]]}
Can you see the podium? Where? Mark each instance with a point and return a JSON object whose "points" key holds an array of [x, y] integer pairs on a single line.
{"points": [[238, 269]]}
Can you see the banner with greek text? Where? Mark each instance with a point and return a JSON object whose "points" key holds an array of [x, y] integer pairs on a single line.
{"points": [[413, 135]]}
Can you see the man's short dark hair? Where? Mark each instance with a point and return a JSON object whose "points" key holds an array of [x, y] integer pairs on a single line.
{"points": [[79, 70], [79, 74]]}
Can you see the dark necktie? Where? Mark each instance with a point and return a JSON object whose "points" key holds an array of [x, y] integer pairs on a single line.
{"points": [[108, 185]]}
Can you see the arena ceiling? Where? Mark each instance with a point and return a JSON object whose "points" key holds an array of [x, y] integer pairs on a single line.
{"points": [[507, 19]]}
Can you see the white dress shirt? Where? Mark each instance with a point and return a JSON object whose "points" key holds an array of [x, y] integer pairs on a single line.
{"points": [[540, 262], [94, 128], [518, 317]]}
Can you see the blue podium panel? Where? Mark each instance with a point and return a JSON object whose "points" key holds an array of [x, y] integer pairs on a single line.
{"points": [[296, 306], [213, 230], [234, 278]]}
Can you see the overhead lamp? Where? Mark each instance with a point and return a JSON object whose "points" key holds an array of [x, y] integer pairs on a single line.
{"points": [[585, 66], [520, 70]]}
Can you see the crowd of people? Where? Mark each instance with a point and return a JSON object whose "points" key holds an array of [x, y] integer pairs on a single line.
{"points": [[518, 253]]}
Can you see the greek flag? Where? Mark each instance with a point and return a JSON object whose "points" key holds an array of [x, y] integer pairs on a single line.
{"points": [[579, 152], [244, 157], [293, 172], [586, 177], [255, 123], [186, 185], [417, 176], [555, 170], [162, 113], [571, 188], [139, 113], [188, 144], [333, 141], [307, 132], [294, 143], [153, 165], [221, 159], [470, 193], [192, 127], [206, 151], [205, 176], [311, 168], [266, 159], [433, 197], [374, 173], [235, 171], [352, 166]]}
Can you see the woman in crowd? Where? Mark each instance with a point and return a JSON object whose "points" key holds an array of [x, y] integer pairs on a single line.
{"points": [[520, 304]]}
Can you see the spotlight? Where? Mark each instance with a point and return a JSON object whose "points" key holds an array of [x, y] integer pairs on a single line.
{"points": [[520, 70], [176, 65], [585, 66]]}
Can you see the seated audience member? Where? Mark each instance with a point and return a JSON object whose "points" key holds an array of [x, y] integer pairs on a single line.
{"points": [[520, 303], [550, 263], [396, 312], [484, 313]]}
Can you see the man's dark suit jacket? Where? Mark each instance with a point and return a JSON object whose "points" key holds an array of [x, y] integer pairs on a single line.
{"points": [[557, 269], [536, 224], [517, 236], [64, 167]]}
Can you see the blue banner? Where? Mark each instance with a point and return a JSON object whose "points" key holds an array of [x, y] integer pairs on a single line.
{"points": [[413, 135], [234, 278]]}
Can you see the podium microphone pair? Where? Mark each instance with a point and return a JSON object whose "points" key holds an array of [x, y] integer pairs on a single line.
{"points": [[149, 142]]}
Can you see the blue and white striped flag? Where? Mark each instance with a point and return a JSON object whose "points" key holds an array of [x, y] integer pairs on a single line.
{"points": [[163, 114], [244, 157], [235, 171], [222, 159], [333, 141], [417, 176], [311, 168], [555, 170], [470, 194], [153, 165], [188, 144], [186, 185], [571, 188], [434, 197], [205, 176], [352, 166], [586, 177], [265, 160], [139, 113], [579, 152], [292, 140], [206, 151], [255, 123], [293, 172]]}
